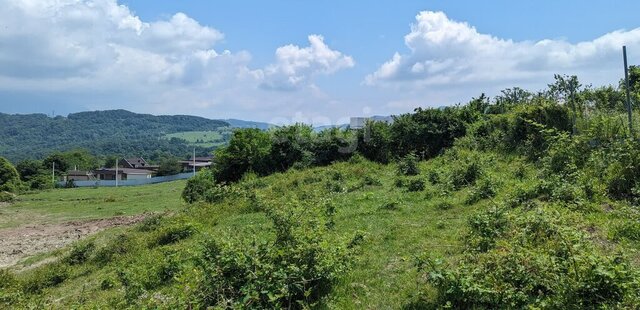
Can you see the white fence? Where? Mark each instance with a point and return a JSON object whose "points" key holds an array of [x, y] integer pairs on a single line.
{"points": [[112, 183]]}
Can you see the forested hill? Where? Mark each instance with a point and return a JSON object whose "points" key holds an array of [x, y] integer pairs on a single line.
{"points": [[101, 132]]}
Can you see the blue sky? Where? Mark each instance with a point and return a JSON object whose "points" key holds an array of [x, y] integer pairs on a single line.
{"points": [[312, 61]]}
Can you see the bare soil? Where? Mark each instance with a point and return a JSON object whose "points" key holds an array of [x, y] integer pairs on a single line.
{"points": [[22, 242]]}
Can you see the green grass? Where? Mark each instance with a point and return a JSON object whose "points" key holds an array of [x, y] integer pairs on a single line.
{"points": [[397, 226], [62, 205], [202, 138]]}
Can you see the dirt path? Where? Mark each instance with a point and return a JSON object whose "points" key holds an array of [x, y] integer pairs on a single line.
{"points": [[21, 242]]}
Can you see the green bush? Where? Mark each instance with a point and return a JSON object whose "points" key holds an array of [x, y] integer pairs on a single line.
{"points": [[485, 188], [44, 277], [408, 165], [294, 270], [150, 223], [9, 177], [415, 185], [197, 186], [80, 253], [7, 197], [530, 260], [174, 233]]}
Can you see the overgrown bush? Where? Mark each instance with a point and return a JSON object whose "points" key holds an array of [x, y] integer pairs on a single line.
{"points": [[197, 186], [408, 165], [80, 253], [44, 277], [538, 262], [174, 233], [294, 270]]}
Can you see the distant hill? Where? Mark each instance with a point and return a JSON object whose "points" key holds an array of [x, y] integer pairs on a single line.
{"points": [[101, 132], [237, 123]]}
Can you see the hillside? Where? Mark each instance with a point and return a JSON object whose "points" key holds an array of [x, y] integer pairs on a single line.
{"points": [[490, 205], [101, 132], [382, 226]]}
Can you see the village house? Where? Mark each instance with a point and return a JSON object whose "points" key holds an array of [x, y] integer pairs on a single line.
{"points": [[123, 174], [79, 175], [137, 163], [198, 162]]}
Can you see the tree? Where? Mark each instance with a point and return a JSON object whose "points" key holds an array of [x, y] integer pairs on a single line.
{"points": [[30, 168], [169, 166], [248, 150], [565, 90], [290, 144], [9, 177]]}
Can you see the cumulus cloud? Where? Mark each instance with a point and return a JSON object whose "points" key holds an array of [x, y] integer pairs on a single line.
{"points": [[294, 65], [97, 54], [444, 52]]}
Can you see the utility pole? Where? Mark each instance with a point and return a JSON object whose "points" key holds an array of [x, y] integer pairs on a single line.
{"points": [[194, 161], [53, 173], [116, 172], [626, 81]]}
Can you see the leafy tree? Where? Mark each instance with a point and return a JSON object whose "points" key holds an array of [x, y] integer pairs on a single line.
{"points": [[290, 144], [565, 90], [248, 150], [9, 177], [374, 141], [332, 145], [30, 168], [169, 166]]}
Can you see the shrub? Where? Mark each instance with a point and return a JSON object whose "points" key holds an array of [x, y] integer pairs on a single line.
{"points": [[197, 186], [294, 270], [175, 233], [541, 261], [7, 197], [150, 223], [408, 165], [629, 230], [44, 277], [118, 246], [9, 177], [415, 185], [393, 205], [485, 188], [368, 180], [80, 253]]}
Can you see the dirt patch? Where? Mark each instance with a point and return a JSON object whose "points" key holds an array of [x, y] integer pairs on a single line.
{"points": [[21, 242]]}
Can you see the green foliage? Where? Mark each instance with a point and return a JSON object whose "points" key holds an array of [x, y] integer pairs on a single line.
{"points": [[247, 151], [150, 223], [48, 276], [408, 165], [7, 197], [416, 185], [538, 262], [174, 233], [294, 270], [426, 132], [169, 166], [374, 141], [197, 186], [80, 253], [102, 132]]}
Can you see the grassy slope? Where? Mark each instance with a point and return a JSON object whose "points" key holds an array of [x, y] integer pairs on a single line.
{"points": [[207, 138], [60, 205], [383, 274]]}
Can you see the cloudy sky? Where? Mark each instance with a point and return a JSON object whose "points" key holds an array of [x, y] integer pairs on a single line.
{"points": [[313, 61]]}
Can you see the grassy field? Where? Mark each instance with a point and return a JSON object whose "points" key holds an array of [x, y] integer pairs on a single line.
{"points": [[397, 225], [202, 138], [62, 205]]}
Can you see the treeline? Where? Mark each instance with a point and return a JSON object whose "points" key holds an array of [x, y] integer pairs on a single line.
{"points": [[34, 136], [515, 116]]}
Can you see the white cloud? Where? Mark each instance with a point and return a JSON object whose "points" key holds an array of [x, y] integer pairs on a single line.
{"points": [[295, 66], [96, 54], [452, 54]]}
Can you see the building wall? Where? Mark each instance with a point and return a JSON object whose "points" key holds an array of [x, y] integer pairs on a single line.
{"points": [[138, 176]]}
